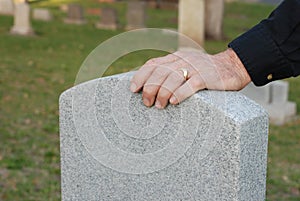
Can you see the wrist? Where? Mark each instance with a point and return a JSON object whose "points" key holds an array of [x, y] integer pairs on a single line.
{"points": [[238, 67], [231, 70]]}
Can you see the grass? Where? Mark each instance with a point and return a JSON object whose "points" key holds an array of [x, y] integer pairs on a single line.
{"points": [[35, 70]]}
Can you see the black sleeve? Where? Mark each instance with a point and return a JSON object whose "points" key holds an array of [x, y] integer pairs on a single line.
{"points": [[271, 49]]}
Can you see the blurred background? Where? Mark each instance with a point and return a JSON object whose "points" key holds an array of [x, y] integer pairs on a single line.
{"points": [[40, 58]]}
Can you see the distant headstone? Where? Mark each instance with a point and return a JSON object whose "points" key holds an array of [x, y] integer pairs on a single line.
{"points": [[212, 146], [214, 13], [64, 7], [191, 20], [108, 19], [136, 15], [261, 95], [75, 14], [6, 7], [153, 4], [42, 14], [168, 5], [22, 24], [274, 98]]}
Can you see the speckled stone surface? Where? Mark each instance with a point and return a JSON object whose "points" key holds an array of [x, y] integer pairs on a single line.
{"points": [[213, 146]]}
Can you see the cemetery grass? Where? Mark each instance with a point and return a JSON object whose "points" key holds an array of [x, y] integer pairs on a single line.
{"points": [[35, 70]]}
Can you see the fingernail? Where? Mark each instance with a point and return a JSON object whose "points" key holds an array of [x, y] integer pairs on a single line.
{"points": [[146, 102], [173, 100], [133, 87], [158, 105]]}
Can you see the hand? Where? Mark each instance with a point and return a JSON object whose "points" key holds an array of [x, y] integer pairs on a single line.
{"points": [[162, 81]]}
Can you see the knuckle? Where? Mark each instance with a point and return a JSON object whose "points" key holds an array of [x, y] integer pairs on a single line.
{"points": [[151, 61], [159, 72], [176, 75], [158, 60], [149, 90], [163, 93], [196, 83]]}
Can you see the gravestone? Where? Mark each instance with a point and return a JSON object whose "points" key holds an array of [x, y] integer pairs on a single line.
{"points": [[6, 7], [108, 19], [22, 24], [165, 5], [64, 8], [214, 13], [42, 14], [274, 98], [136, 15], [191, 20], [262, 95], [75, 14], [212, 146]]}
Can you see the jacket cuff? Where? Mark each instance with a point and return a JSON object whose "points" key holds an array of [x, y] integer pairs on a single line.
{"points": [[261, 56]]}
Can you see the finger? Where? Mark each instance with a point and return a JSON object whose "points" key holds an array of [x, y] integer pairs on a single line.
{"points": [[162, 60], [140, 77], [146, 70], [194, 84], [173, 81], [153, 84]]}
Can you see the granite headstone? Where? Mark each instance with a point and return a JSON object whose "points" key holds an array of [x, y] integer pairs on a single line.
{"points": [[108, 19], [75, 14], [42, 14], [191, 20], [22, 23], [214, 13], [6, 7], [136, 15], [212, 146]]}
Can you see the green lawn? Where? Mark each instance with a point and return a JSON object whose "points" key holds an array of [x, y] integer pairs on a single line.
{"points": [[35, 70]]}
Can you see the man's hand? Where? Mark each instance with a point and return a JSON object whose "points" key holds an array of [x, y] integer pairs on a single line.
{"points": [[162, 81]]}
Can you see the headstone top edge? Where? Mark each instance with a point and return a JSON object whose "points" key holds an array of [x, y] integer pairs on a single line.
{"points": [[68, 92], [234, 105]]}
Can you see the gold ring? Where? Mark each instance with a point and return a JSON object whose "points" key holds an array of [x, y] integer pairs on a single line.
{"points": [[185, 73]]}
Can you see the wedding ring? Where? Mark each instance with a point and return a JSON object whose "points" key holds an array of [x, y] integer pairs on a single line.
{"points": [[185, 73]]}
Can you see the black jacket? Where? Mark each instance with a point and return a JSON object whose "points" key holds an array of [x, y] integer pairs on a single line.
{"points": [[271, 50]]}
